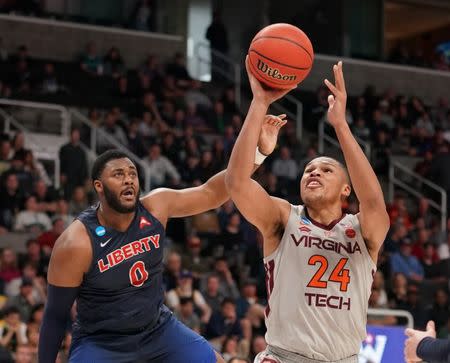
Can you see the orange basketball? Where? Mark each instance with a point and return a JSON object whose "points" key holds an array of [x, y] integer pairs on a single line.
{"points": [[280, 55]]}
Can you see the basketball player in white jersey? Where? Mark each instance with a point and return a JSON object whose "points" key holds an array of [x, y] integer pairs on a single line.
{"points": [[319, 262]]}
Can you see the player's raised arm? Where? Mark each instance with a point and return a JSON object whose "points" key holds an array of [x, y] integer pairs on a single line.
{"points": [[213, 193], [373, 215], [250, 198], [70, 260]]}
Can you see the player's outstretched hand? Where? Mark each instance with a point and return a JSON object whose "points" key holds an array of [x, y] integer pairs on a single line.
{"points": [[269, 133], [266, 95], [414, 338], [338, 100]]}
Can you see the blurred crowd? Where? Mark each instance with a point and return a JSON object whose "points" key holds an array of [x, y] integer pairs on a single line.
{"points": [[184, 132]]}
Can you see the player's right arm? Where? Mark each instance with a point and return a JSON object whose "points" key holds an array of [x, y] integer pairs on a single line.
{"points": [[268, 214], [70, 260]]}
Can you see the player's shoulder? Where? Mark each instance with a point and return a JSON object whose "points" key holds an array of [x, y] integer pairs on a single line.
{"points": [[74, 238]]}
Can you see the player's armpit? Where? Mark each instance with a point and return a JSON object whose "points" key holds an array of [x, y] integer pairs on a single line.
{"points": [[71, 257]]}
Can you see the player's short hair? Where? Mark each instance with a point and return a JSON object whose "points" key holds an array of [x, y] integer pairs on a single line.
{"points": [[103, 159]]}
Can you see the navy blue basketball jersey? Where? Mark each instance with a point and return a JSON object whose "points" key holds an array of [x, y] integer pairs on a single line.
{"points": [[122, 291]]}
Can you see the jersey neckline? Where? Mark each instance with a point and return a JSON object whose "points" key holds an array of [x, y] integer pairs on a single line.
{"points": [[326, 227]]}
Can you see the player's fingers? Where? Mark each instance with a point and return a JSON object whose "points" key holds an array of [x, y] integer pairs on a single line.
{"points": [[430, 326], [341, 76], [331, 101], [282, 116], [331, 87], [337, 80], [282, 123], [409, 332]]}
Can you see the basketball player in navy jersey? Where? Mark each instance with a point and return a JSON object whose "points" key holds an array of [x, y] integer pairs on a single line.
{"points": [[111, 261], [319, 261]]}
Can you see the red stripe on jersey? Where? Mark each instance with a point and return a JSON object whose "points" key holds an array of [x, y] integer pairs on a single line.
{"points": [[269, 267]]}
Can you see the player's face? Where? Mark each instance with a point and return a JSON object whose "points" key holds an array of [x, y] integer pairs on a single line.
{"points": [[120, 185], [323, 181]]}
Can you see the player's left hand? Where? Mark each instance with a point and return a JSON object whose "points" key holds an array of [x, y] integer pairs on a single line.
{"points": [[262, 94], [338, 100], [414, 338], [269, 133]]}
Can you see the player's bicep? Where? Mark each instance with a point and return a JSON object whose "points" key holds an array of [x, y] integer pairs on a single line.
{"points": [[71, 257], [258, 207], [374, 227]]}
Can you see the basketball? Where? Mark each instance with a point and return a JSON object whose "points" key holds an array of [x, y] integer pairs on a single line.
{"points": [[280, 55]]}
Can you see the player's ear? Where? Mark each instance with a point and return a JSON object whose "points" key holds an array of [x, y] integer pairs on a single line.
{"points": [[98, 186], [347, 190]]}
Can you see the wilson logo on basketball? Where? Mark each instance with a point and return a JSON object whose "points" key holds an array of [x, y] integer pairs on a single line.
{"points": [[273, 72]]}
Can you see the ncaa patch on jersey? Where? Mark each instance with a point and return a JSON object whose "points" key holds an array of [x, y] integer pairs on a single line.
{"points": [[100, 231], [305, 220]]}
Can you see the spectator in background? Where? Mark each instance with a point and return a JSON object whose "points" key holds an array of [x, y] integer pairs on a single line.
{"points": [[223, 324], [29, 273], [217, 35], [49, 83], [142, 17], [24, 354], [211, 293], [227, 285], [392, 243], [62, 212], [162, 170], [10, 200], [9, 269], [403, 262], [25, 300], [229, 348], [258, 345], [185, 289], [399, 291], [13, 330], [135, 140], [112, 129], [238, 360], [6, 153], [192, 258], [177, 69], [417, 308], [35, 168], [31, 219], [79, 201], [284, 167], [379, 284], [48, 239], [172, 270], [91, 63], [113, 63], [24, 177], [187, 315], [35, 257], [440, 311], [151, 68]]}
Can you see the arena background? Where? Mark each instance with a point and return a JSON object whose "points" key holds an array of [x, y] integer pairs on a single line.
{"points": [[79, 77]]}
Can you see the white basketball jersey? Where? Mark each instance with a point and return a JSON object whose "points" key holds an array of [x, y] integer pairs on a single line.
{"points": [[318, 282]]}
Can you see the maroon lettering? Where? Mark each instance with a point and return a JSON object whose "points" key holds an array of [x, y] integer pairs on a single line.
{"points": [[325, 301], [345, 303], [321, 300], [326, 244]]}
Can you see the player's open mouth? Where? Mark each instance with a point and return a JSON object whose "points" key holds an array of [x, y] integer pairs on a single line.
{"points": [[128, 194], [313, 183]]}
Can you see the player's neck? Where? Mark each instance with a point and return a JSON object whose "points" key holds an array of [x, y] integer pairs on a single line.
{"points": [[325, 216], [108, 217]]}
